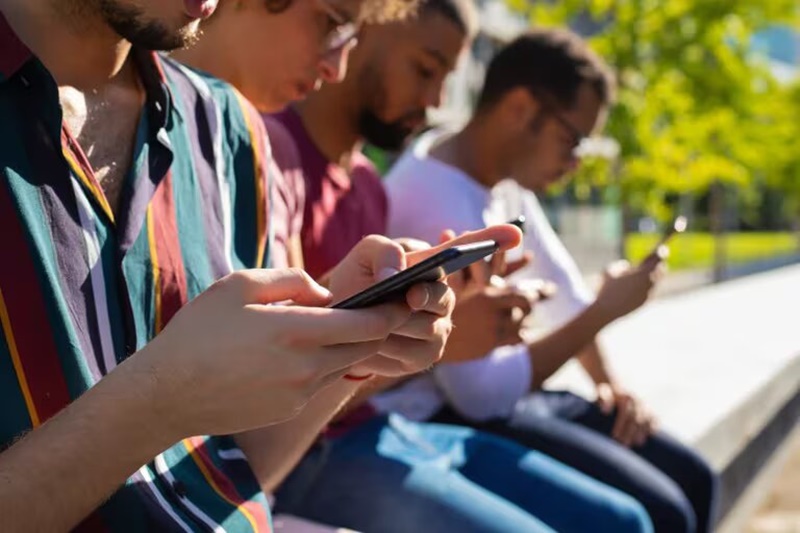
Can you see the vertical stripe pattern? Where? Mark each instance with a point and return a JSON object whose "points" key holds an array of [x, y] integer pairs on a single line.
{"points": [[88, 286], [25, 322]]}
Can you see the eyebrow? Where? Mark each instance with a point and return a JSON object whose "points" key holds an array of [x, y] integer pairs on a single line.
{"points": [[344, 13], [343, 16], [347, 16], [438, 56]]}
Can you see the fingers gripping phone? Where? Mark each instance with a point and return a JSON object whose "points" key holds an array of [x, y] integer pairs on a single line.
{"points": [[678, 226], [432, 269]]}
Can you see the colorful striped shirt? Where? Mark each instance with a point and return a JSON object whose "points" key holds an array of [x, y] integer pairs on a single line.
{"points": [[82, 287]]}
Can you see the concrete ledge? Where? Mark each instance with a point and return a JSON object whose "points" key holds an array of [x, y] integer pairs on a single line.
{"points": [[719, 365]]}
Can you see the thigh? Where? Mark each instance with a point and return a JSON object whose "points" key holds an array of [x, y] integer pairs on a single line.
{"points": [[676, 485], [392, 476], [680, 463], [560, 496]]}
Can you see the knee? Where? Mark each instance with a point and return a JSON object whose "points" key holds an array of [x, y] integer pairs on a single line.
{"points": [[676, 516], [706, 480], [702, 489], [630, 516]]}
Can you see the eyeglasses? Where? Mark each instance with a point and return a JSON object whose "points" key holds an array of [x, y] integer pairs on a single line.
{"points": [[550, 107], [576, 135], [344, 30]]}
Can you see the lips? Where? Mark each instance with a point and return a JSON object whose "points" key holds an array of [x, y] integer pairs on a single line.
{"points": [[199, 9]]}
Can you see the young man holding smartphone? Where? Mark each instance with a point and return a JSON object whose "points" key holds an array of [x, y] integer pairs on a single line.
{"points": [[131, 190], [543, 94], [435, 477]]}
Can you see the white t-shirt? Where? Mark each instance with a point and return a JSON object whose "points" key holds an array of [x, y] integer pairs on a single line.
{"points": [[427, 196]]}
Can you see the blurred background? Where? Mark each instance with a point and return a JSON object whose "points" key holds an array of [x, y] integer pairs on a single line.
{"points": [[706, 125]]}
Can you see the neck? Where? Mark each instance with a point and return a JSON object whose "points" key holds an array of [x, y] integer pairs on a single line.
{"points": [[211, 54], [474, 150], [73, 42], [331, 121]]}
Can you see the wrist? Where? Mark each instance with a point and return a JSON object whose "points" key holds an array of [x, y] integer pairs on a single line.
{"points": [[146, 399], [598, 315]]}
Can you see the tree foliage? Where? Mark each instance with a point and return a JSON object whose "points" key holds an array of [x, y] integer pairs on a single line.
{"points": [[698, 103]]}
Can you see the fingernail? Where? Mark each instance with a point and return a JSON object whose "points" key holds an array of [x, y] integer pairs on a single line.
{"points": [[387, 272]]}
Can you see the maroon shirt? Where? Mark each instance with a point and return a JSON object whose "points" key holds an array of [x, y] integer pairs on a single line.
{"points": [[288, 194], [341, 206]]}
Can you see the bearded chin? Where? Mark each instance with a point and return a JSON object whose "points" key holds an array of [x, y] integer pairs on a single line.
{"points": [[390, 136], [132, 25]]}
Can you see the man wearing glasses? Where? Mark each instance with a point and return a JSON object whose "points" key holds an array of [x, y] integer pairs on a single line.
{"points": [[138, 371], [543, 94]]}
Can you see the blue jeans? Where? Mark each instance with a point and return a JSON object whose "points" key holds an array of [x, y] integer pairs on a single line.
{"points": [[676, 486], [392, 475]]}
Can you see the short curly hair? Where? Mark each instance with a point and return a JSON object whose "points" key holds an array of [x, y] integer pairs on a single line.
{"points": [[372, 11], [381, 11], [547, 60]]}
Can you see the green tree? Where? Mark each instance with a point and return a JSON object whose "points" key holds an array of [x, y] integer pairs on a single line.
{"points": [[697, 105]]}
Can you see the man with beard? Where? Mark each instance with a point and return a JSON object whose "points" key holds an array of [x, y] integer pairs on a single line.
{"points": [[129, 186], [543, 94], [381, 472], [330, 125]]}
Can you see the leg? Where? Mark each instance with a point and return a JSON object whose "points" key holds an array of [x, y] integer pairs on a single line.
{"points": [[443, 478], [560, 496], [377, 479], [674, 483], [683, 465]]}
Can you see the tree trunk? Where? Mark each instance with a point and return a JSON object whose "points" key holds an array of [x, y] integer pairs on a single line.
{"points": [[717, 217]]}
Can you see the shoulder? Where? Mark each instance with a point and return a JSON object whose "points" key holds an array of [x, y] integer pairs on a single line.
{"points": [[364, 169], [223, 107], [284, 147]]}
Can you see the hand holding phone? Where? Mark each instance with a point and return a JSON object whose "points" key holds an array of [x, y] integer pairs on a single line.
{"points": [[678, 226], [434, 268]]}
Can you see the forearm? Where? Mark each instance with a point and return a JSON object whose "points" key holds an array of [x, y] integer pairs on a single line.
{"points": [[592, 360], [60, 472], [550, 352], [370, 388], [275, 450]]}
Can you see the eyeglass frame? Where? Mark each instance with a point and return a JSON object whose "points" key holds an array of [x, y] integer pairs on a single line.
{"points": [[345, 32], [550, 107]]}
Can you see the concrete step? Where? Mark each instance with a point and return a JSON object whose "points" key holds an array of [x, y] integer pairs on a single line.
{"points": [[720, 366]]}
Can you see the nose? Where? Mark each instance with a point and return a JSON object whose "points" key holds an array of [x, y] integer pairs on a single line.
{"points": [[435, 95], [333, 65]]}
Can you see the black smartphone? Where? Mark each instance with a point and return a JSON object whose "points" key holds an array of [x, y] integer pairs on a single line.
{"points": [[678, 226], [518, 222], [432, 269]]}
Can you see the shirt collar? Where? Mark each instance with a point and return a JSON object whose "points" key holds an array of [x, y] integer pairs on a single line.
{"points": [[14, 52], [160, 99]]}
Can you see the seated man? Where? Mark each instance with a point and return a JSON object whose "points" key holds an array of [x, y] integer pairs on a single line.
{"points": [[543, 94], [423, 476], [130, 186]]}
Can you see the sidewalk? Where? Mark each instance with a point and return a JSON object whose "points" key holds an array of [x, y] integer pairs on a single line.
{"points": [[781, 510]]}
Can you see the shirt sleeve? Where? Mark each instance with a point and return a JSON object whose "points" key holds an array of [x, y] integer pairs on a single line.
{"points": [[423, 203], [551, 262], [489, 387]]}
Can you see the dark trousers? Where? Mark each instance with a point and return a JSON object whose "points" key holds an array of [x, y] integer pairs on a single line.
{"points": [[676, 486]]}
